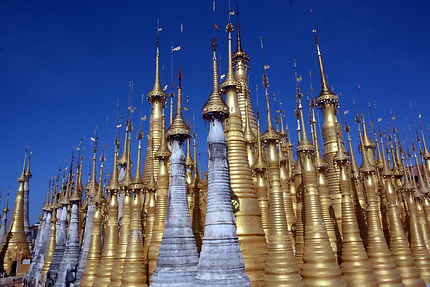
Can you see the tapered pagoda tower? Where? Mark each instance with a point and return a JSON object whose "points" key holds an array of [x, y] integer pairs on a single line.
{"points": [[15, 253]]}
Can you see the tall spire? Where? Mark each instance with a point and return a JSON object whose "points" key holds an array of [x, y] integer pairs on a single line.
{"points": [[357, 188], [157, 92], [128, 179], [158, 98], [326, 93], [259, 168], [356, 267], [304, 141], [230, 80], [368, 145], [95, 250], [22, 177], [227, 267], [398, 243], [248, 134], [240, 61], [379, 255], [137, 177], [316, 242], [28, 175], [215, 105], [99, 197], [328, 102], [239, 51], [248, 220], [172, 262], [123, 160], [319, 161], [3, 224], [134, 273], [178, 126], [103, 273], [93, 182], [280, 269], [150, 209], [270, 133], [14, 246], [249, 137]]}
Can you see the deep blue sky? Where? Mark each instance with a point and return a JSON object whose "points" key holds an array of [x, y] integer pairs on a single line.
{"points": [[64, 64]]}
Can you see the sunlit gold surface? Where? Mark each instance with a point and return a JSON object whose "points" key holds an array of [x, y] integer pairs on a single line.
{"points": [[328, 103], [95, 251], [259, 168], [157, 97], [418, 247], [324, 194], [399, 245], [161, 194], [121, 250], [244, 197], [356, 267], [379, 255], [319, 267], [281, 268], [14, 246], [134, 271], [51, 246]]}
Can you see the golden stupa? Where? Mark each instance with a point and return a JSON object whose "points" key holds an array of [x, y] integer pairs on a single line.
{"points": [[266, 212]]}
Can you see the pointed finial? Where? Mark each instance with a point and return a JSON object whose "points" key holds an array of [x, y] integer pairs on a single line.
{"points": [[326, 94], [137, 178], [341, 157], [239, 55], [28, 174], [386, 171], [151, 185], [270, 133], [6, 206], [22, 177], [215, 106], [79, 186], [248, 134], [157, 93], [367, 142], [93, 189], [319, 161], [77, 191], [354, 166], [123, 160], [196, 179], [304, 143], [178, 128], [239, 44], [230, 80], [366, 166], [188, 159], [47, 198], [163, 151], [426, 153], [98, 197], [259, 164], [304, 139], [69, 184], [128, 178], [113, 183]]}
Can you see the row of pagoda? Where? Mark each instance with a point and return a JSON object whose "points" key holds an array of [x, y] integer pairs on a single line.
{"points": [[261, 215]]}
